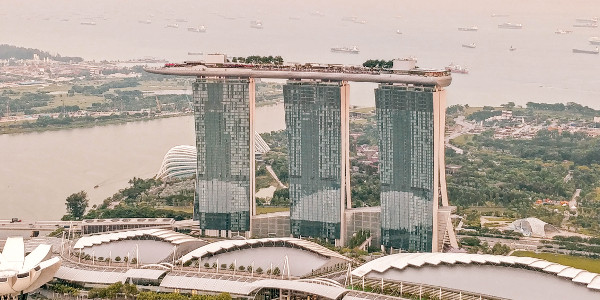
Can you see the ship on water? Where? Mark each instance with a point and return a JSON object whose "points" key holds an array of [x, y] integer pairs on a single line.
{"points": [[587, 20], [595, 51], [512, 48], [353, 50], [590, 25], [562, 31], [195, 53], [471, 45], [88, 23], [197, 29], [148, 21], [174, 25], [509, 25], [457, 69], [471, 28], [256, 24], [594, 40]]}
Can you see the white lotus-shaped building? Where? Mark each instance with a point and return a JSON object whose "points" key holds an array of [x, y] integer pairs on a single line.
{"points": [[20, 274]]}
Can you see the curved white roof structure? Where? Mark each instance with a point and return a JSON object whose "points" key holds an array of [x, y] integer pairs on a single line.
{"points": [[175, 238], [25, 274], [180, 161], [501, 276], [533, 227], [232, 245], [298, 257]]}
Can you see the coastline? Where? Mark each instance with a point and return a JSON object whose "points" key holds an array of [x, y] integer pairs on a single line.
{"points": [[22, 130]]}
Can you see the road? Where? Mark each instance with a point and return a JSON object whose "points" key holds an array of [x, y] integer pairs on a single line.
{"points": [[465, 127]]}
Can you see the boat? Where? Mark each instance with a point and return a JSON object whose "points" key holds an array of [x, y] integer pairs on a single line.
{"points": [[353, 50], [472, 28], [174, 25], [594, 40], [181, 20], [195, 53], [256, 24], [562, 31], [96, 186], [512, 48], [587, 20], [148, 21], [499, 16], [350, 19], [457, 69], [510, 25], [471, 45], [197, 29], [88, 23], [595, 51], [590, 25], [398, 31]]}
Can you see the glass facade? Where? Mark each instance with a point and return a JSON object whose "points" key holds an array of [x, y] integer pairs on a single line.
{"points": [[405, 119], [313, 113], [222, 110]]}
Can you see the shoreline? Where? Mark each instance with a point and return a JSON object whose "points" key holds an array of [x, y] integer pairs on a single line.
{"points": [[11, 131]]}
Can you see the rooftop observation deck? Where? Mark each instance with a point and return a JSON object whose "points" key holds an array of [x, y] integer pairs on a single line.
{"points": [[419, 77]]}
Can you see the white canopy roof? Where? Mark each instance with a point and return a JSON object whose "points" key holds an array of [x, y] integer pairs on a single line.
{"points": [[232, 244], [421, 260], [170, 236]]}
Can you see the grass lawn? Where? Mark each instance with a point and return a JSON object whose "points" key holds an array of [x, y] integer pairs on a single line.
{"points": [[462, 140], [265, 210], [584, 263]]}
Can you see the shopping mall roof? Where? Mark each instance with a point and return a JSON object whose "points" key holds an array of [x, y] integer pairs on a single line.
{"points": [[229, 245], [442, 269], [246, 286], [169, 236]]}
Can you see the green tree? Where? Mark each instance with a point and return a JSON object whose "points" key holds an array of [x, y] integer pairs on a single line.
{"points": [[77, 203]]}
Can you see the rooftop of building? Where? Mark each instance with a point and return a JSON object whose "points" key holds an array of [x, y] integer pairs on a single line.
{"points": [[326, 72]]}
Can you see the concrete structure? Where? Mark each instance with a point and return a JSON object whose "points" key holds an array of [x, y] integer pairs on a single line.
{"points": [[225, 176], [90, 226], [366, 219], [20, 274], [457, 275], [271, 225], [316, 117], [411, 122], [411, 105]]}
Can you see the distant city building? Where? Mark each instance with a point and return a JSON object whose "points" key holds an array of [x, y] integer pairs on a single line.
{"points": [[316, 116], [225, 180], [411, 167]]}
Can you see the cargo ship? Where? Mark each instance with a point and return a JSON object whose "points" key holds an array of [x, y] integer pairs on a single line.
{"points": [[197, 29], [510, 26], [457, 69], [595, 51], [353, 50], [471, 45], [472, 28], [594, 40]]}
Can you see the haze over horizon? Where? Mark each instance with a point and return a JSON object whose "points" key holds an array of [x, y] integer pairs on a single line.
{"points": [[542, 69]]}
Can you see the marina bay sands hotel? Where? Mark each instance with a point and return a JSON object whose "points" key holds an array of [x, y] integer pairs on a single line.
{"points": [[410, 107]]}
